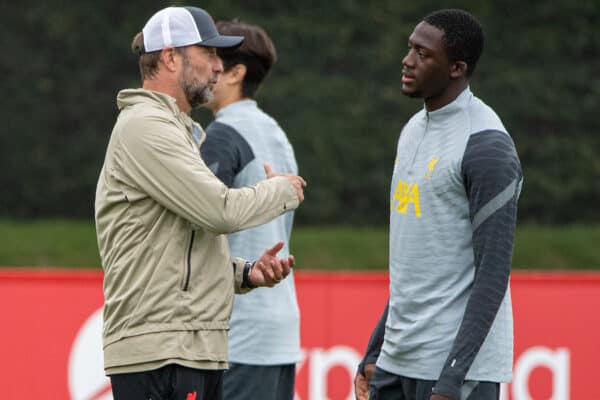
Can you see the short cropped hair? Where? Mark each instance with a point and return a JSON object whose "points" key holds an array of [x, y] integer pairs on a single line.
{"points": [[148, 62], [463, 35], [257, 53]]}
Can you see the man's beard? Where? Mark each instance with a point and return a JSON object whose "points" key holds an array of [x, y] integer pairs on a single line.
{"points": [[196, 93]]}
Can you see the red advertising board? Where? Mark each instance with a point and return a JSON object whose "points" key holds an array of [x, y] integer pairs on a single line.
{"points": [[51, 334]]}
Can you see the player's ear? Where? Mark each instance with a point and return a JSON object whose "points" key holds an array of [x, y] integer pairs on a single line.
{"points": [[238, 72], [458, 69]]}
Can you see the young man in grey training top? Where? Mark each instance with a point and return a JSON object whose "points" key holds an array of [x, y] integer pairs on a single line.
{"points": [[446, 332], [263, 347]]}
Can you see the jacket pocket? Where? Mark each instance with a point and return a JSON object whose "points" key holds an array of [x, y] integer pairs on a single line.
{"points": [[188, 263]]}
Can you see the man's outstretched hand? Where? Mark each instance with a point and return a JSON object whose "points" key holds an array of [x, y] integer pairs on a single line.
{"points": [[269, 269], [297, 181]]}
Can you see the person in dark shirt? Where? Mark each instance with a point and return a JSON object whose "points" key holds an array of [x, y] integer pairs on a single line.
{"points": [[263, 347]]}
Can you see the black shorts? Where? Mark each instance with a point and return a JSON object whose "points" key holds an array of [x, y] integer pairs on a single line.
{"points": [[253, 382], [171, 382], [387, 386]]}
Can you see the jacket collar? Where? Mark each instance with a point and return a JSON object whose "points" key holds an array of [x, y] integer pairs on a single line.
{"points": [[129, 97]]}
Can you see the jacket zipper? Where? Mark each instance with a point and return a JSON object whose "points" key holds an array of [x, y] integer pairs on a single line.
{"points": [[189, 263]]}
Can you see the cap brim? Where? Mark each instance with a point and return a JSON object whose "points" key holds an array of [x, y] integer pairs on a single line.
{"points": [[223, 42]]}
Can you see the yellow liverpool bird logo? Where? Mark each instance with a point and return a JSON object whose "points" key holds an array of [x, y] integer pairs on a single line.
{"points": [[431, 166]]}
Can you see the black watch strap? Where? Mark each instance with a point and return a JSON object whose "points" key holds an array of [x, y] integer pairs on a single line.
{"points": [[246, 275]]}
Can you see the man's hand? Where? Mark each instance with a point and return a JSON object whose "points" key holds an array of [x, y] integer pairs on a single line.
{"points": [[297, 181], [361, 387], [269, 270], [439, 397], [361, 382]]}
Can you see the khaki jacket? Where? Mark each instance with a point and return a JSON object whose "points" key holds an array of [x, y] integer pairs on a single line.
{"points": [[161, 216]]}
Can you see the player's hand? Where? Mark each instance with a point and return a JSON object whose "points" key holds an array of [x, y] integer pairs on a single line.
{"points": [[439, 397], [269, 270], [361, 382], [297, 181], [361, 387]]}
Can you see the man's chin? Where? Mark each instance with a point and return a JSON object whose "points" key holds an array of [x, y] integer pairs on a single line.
{"points": [[410, 92], [201, 99], [210, 104]]}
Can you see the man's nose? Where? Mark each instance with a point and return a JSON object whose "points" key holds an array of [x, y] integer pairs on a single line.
{"points": [[408, 59]]}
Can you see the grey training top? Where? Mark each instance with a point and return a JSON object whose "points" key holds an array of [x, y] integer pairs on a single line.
{"points": [[455, 186], [265, 326]]}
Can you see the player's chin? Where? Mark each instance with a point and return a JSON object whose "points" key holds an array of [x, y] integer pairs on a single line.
{"points": [[410, 90]]}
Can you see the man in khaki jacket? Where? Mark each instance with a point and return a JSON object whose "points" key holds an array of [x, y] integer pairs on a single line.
{"points": [[161, 216]]}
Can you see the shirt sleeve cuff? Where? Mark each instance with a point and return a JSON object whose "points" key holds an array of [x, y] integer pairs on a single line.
{"points": [[448, 387], [241, 269]]}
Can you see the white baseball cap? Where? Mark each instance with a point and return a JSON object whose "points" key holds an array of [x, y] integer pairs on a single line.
{"points": [[184, 26]]}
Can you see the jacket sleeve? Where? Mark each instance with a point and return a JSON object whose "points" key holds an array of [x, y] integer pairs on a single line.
{"points": [[492, 177], [156, 158], [240, 284]]}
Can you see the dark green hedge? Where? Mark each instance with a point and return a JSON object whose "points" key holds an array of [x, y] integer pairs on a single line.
{"points": [[335, 90]]}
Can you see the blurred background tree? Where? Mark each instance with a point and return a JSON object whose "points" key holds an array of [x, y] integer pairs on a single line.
{"points": [[335, 90]]}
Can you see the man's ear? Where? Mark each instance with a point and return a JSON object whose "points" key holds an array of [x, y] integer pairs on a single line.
{"points": [[238, 73], [167, 57], [458, 69]]}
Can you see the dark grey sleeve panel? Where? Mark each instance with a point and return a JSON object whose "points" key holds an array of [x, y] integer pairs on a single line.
{"points": [[225, 151], [492, 177], [490, 165], [375, 341]]}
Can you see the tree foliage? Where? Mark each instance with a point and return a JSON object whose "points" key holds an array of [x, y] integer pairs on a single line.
{"points": [[335, 90]]}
